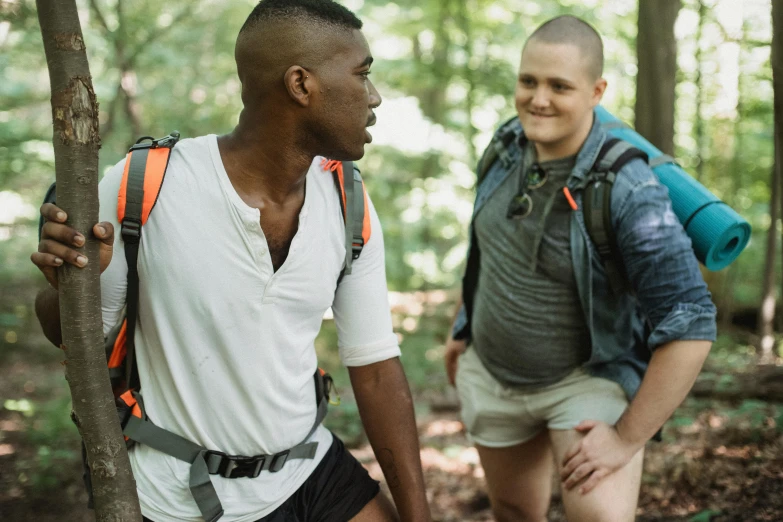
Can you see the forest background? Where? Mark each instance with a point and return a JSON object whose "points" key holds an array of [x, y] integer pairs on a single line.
{"points": [[446, 70]]}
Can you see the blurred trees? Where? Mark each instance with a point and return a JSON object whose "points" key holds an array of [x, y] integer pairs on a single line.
{"points": [[446, 70], [767, 310]]}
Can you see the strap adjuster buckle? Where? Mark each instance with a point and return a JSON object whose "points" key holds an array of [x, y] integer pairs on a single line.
{"points": [[278, 461], [131, 229]]}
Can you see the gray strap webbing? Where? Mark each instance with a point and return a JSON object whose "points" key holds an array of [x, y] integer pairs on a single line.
{"points": [[145, 432], [357, 220], [134, 197], [661, 160], [202, 489], [613, 154], [348, 187], [202, 463]]}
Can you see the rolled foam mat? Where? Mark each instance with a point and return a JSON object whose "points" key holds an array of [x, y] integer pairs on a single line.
{"points": [[718, 233]]}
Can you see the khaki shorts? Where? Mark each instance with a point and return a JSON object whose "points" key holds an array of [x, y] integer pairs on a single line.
{"points": [[496, 416]]}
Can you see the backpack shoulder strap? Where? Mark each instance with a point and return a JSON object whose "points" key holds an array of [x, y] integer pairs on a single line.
{"points": [[597, 206], [502, 138], [145, 168], [355, 208]]}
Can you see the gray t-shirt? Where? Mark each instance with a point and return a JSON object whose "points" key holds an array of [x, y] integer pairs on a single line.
{"points": [[528, 325]]}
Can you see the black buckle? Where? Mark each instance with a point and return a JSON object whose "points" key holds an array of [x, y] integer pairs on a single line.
{"points": [[278, 461], [166, 141], [356, 250], [131, 229], [234, 466]]}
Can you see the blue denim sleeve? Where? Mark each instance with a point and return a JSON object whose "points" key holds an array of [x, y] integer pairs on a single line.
{"points": [[460, 322], [659, 260]]}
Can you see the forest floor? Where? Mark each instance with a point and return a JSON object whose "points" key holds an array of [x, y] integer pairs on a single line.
{"points": [[719, 461]]}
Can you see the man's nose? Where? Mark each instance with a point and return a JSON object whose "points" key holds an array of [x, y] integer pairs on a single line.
{"points": [[375, 97], [540, 97]]}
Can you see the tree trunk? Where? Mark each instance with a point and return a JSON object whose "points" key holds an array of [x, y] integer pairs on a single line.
{"points": [[699, 124], [656, 51], [76, 144], [764, 383], [766, 329], [777, 81]]}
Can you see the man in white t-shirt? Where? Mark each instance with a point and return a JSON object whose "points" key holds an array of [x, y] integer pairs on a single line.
{"points": [[239, 261]]}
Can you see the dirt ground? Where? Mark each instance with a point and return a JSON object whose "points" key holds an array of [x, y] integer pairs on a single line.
{"points": [[710, 473], [719, 462]]}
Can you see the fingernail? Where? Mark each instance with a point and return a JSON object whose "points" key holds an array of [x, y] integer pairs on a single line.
{"points": [[58, 261], [61, 216], [79, 239], [101, 230], [81, 260]]}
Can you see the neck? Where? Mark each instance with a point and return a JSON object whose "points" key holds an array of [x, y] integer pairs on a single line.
{"points": [[263, 160]]}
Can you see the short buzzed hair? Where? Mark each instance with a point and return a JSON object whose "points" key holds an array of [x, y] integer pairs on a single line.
{"points": [[568, 29], [324, 11]]}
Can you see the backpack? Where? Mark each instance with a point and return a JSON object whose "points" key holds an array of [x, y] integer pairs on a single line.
{"points": [[597, 198], [142, 180]]}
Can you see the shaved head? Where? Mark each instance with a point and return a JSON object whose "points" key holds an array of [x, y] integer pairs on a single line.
{"points": [[279, 34], [574, 31]]}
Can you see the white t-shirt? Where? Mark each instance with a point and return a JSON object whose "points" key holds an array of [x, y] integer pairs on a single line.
{"points": [[225, 345]]}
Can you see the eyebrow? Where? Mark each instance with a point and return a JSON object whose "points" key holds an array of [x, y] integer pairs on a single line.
{"points": [[367, 61], [554, 79]]}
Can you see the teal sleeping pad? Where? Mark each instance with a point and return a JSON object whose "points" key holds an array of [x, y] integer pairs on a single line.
{"points": [[717, 232]]}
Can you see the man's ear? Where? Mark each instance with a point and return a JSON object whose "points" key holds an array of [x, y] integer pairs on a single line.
{"points": [[598, 91], [299, 84]]}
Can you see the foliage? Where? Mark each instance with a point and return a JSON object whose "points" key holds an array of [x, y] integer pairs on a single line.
{"points": [[446, 70]]}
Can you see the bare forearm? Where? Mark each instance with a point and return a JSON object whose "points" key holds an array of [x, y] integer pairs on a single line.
{"points": [[670, 376], [47, 308], [386, 408]]}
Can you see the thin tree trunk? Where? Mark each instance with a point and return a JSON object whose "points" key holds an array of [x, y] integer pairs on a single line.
{"points": [[699, 94], [777, 80], [767, 313], [656, 51], [76, 144], [465, 23]]}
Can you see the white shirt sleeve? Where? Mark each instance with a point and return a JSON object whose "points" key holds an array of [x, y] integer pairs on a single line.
{"points": [[361, 306], [114, 283]]}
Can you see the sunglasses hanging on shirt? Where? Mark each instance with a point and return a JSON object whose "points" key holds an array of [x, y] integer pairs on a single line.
{"points": [[521, 205]]}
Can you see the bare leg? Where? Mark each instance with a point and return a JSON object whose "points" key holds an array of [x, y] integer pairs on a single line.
{"points": [[615, 497], [519, 479], [379, 509]]}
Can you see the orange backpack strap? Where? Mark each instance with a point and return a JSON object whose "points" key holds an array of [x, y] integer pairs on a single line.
{"points": [[145, 168], [355, 207]]}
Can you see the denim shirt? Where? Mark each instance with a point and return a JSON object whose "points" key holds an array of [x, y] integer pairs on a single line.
{"points": [[668, 300]]}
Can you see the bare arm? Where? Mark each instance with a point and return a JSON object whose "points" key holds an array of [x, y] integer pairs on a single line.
{"points": [[670, 376], [672, 371], [47, 308], [386, 408], [454, 348]]}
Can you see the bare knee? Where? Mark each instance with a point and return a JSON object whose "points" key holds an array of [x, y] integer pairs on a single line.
{"points": [[506, 511]]}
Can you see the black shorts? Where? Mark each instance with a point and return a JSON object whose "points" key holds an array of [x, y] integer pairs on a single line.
{"points": [[336, 491]]}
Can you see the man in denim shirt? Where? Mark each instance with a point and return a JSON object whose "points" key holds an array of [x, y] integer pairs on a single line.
{"points": [[563, 372]]}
